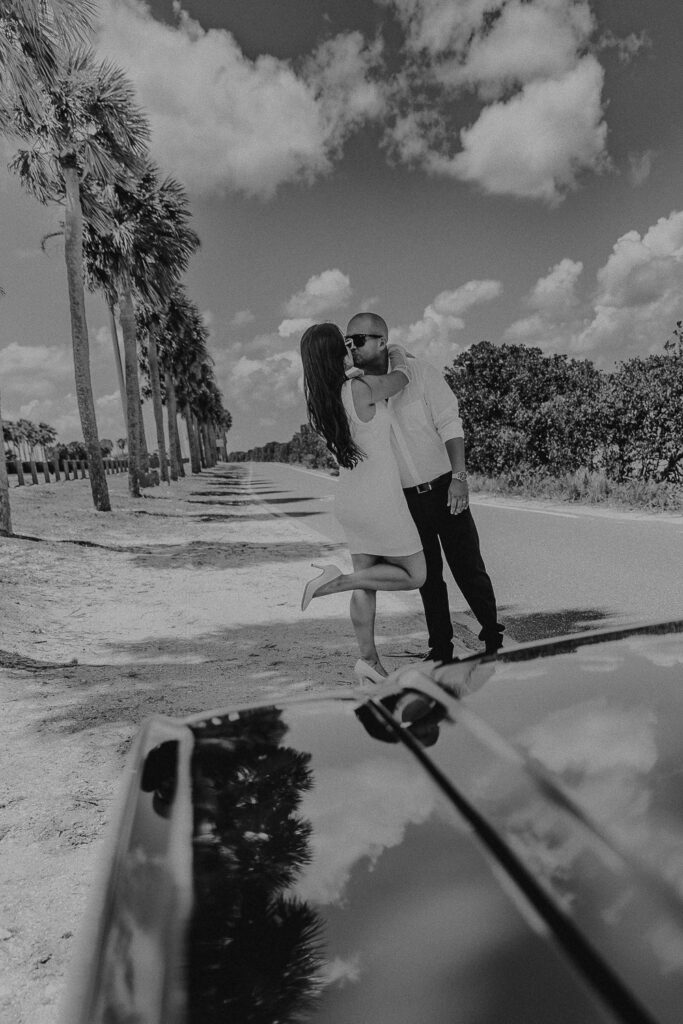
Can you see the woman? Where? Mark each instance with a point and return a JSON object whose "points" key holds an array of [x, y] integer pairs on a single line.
{"points": [[352, 416]]}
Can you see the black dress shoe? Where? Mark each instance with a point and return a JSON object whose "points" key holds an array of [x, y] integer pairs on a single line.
{"points": [[445, 657]]}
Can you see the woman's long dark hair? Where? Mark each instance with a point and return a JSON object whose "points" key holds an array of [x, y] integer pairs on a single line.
{"points": [[322, 354]]}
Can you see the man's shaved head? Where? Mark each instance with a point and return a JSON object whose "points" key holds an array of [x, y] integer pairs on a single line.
{"points": [[367, 323]]}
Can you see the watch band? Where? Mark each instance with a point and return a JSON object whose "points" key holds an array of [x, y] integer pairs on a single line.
{"points": [[462, 475]]}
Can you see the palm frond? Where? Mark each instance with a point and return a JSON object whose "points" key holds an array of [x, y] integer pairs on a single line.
{"points": [[38, 173], [32, 35]]}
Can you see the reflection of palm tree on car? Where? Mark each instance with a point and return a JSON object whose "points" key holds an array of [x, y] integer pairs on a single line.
{"points": [[255, 950]]}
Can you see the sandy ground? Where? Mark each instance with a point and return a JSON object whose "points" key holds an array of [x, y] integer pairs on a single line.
{"points": [[182, 600]]}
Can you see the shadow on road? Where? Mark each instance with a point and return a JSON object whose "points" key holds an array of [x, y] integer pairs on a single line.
{"points": [[201, 554], [523, 628]]}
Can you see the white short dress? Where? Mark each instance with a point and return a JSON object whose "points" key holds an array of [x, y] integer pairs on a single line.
{"points": [[370, 504]]}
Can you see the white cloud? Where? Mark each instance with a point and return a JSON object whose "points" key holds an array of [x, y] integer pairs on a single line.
{"points": [[627, 47], [556, 292], [340, 972], [473, 293], [34, 370], [437, 26], [431, 337], [242, 317], [271, 382], [340, 73], [594, 737], [541, 122], [295, 326], [224, 122], [640, 167], [639, 292], [528, 41], [379, 800], [321, 293], [633, 306], [535, 144]]}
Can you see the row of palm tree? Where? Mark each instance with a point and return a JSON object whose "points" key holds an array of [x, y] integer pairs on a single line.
{"points": [[126, 231], [25, 437]]}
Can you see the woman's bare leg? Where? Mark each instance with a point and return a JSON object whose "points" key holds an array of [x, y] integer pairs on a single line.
{"points": [[392, 572], [363, 609]]}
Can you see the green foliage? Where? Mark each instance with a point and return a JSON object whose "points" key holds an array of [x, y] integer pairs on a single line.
{"points": [[521, 408], [645, 419], [525, 412]]}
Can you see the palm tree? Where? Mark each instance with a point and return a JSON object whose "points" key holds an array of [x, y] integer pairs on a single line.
{"points": [[189, 356], [171, 243], [87, 129], [32, 32], [140, 261], [5, 511]]}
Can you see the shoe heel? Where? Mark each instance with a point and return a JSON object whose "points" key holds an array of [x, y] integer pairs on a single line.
{"points": [[365, 673]]}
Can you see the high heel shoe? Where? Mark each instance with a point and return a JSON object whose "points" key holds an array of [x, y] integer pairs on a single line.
{"points": [[329, 572], [365, 673]]}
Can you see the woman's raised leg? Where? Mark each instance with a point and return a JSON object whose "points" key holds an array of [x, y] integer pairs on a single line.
{"points": [[387, 572]]}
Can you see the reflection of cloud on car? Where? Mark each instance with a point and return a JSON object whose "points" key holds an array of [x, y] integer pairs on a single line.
{"points": [[495, 840]]}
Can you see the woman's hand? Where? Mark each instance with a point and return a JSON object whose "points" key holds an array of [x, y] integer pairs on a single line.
{"points": [[398, 360]]}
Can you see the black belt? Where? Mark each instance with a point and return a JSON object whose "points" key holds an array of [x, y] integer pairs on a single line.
{"points": [[428, 485]]}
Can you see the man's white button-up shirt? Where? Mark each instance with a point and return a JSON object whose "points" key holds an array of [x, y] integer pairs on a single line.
{"points": [[425, 415]]}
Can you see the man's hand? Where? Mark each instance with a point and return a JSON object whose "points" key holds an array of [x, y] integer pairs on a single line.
{"points": [[458, 496]]}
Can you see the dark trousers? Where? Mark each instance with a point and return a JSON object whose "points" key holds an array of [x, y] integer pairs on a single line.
{"points": [[457, 536]]}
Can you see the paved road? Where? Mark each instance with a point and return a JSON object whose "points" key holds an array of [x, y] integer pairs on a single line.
{"points": [[556, 569]]}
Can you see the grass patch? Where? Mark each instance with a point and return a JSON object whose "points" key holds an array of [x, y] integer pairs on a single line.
{"points": [[586, 487]]}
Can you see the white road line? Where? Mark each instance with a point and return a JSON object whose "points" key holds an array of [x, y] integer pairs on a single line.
{"points": [[525, 508]]}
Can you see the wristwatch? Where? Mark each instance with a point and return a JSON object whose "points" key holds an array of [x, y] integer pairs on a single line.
{"points": [[462, 475]]}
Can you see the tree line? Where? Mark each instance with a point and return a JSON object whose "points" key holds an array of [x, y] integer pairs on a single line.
{"points": [[126, 232], [524, 412], [305, 448]]}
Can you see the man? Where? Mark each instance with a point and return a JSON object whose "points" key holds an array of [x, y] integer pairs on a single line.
{"points": [[430, 451]]}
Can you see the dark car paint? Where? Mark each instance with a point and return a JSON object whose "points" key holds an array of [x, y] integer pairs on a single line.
{"points": [[456, 848]]}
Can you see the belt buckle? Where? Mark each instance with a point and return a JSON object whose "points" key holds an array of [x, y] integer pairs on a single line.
{"points": [[423, 488]]}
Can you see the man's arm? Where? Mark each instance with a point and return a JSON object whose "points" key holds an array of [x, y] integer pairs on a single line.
{"points": [[458, 490], [443, 406]]}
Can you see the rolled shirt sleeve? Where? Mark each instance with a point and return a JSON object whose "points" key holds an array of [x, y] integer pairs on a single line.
{"points": [[442, 403]]}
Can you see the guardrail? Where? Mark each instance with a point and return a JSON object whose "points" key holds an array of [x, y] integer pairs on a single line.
{"points": [[61, 469]]}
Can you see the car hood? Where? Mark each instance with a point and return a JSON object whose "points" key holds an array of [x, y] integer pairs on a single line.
{"points": [[497, 840]]}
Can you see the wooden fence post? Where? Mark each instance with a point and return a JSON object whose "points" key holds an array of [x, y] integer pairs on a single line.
{"points": [[18, 465], [46, 471]]}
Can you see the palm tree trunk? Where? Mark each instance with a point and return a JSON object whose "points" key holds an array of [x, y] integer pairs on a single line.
{"points": [[200, 441], [172, 417], [132, 384], [179, 456], [155, 384], [146, 477], [195, 457], [117, 360], [5, 513], [73, 250], [212, 441]]}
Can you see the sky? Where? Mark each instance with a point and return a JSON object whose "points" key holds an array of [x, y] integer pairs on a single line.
{"points": [[507, 170]]}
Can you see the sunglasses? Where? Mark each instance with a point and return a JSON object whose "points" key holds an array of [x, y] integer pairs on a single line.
{"points": [[358, 340]]}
